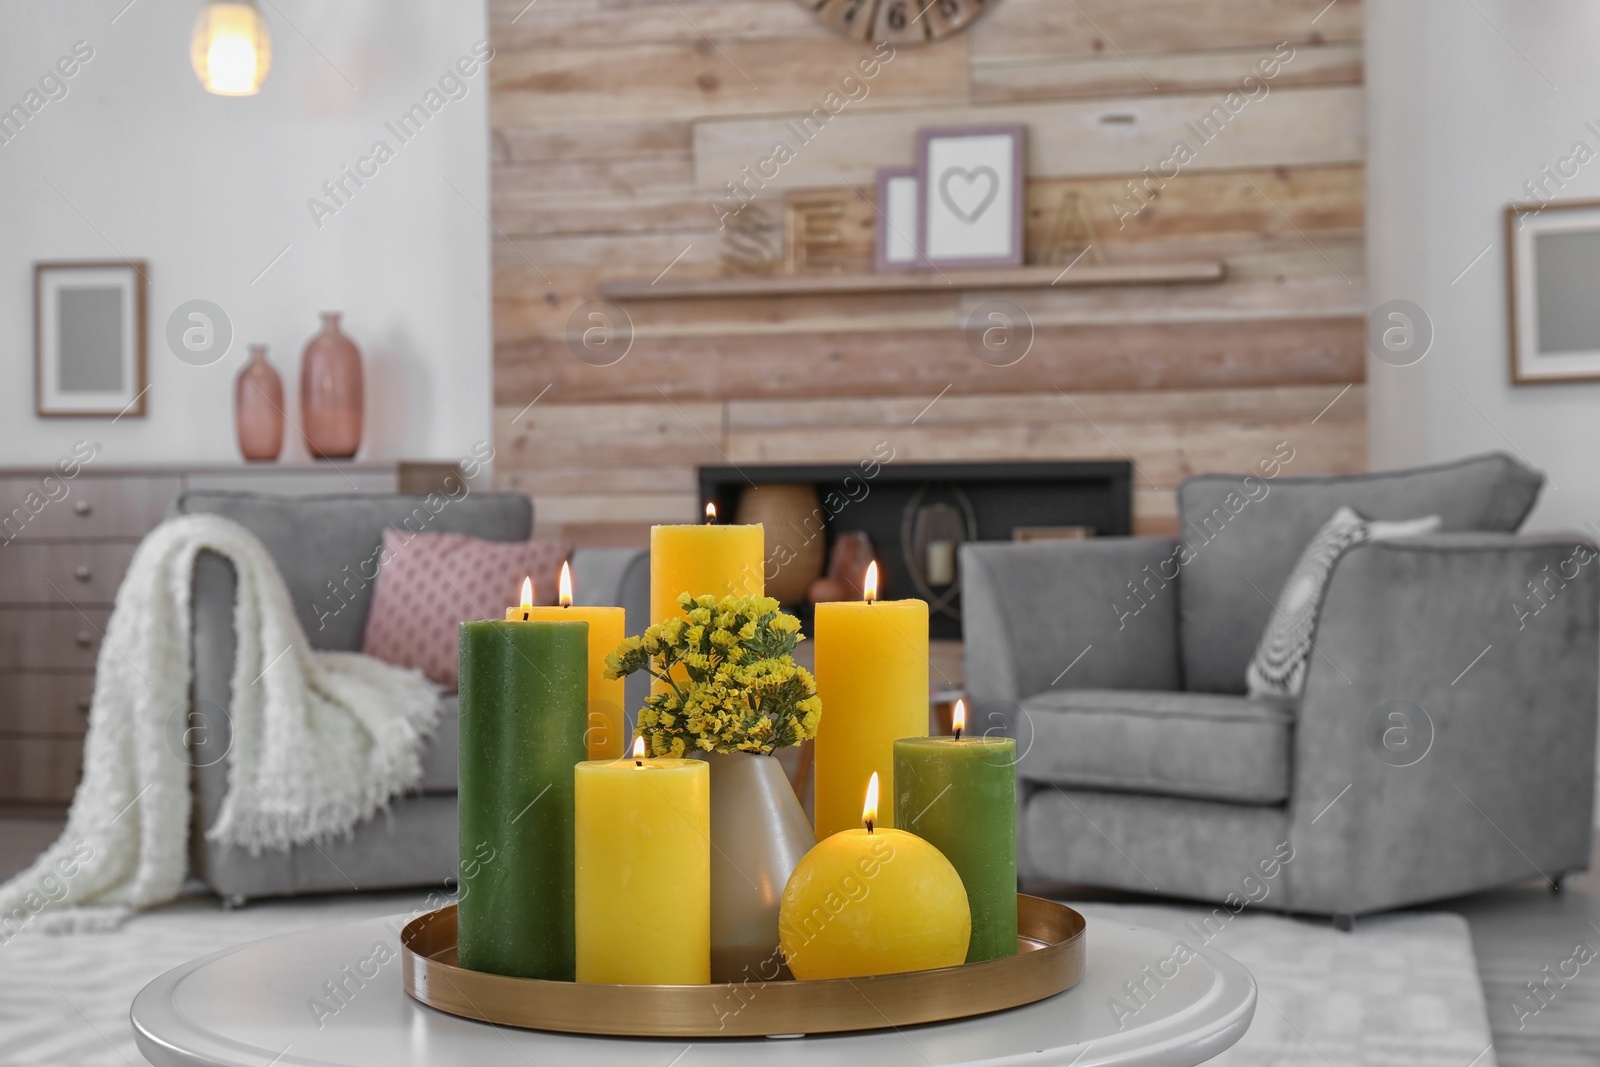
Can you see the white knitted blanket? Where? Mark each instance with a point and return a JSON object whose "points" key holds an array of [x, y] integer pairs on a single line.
{"points": [[320, 740]]}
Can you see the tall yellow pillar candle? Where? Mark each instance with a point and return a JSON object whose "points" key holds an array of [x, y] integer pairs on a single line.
{"points": [[872, 677], [606, 735], [643, 870], [720, 560]]}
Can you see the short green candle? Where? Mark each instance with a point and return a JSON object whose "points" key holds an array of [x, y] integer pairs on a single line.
{"points": [[524, 711], [960, 795]]}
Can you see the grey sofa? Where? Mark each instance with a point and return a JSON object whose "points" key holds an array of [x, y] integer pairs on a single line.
{"points": [[322, 546], [1120, 664]]}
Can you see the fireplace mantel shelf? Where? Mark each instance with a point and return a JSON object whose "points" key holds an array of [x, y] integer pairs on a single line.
{"points": [[1080, 276]]}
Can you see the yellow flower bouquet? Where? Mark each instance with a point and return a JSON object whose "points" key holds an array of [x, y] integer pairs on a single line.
{"points": [[732, 682]]}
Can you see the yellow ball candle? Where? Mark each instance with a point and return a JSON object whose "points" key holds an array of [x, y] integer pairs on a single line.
{"points": [[873, 901]]}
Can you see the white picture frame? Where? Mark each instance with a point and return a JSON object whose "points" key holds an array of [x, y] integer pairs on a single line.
{"points": [[89, 332], [896, 247], [1552, 261], [970, 187]]}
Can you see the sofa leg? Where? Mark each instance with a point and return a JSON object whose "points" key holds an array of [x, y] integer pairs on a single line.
{"points": [[1344, 923], [1558, 883], [233, 901]]}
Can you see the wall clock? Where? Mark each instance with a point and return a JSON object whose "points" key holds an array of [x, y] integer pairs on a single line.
{"points": [[898, 21]]}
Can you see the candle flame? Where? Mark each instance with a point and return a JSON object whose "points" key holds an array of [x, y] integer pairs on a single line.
{"points": [[711, 513], [869, 811], [958, 718], [527, 594], [566, 585], [638, 752], [869, 584]]}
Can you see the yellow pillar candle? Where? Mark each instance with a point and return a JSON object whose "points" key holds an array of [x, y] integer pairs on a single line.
{"points": [[872, 677], [605, 736], [643, 870], [870, 901], [720, 560]]}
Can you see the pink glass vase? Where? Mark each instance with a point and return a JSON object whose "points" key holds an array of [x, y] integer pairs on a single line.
{"points": [[258, 408], [331, 392]]}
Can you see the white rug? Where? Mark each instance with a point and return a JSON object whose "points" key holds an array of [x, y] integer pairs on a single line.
{"points": [[1401, 990]]}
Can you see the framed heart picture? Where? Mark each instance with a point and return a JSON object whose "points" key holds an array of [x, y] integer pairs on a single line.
{"points": [[970, 195]]}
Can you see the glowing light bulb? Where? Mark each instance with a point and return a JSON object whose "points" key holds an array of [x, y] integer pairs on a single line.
{"points": [[231, 48]]}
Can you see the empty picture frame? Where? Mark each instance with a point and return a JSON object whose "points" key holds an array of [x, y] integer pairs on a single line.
{"points": [[1553, 259], [896, 245], [970, 195], [89, 339]]}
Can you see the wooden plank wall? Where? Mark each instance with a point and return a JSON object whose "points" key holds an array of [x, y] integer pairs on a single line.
{"points": [[617, 123]]}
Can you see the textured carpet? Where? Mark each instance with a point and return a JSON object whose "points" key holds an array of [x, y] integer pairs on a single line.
{"points": [[1401, 990]]}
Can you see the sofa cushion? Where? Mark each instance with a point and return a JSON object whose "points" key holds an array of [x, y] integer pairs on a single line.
{"points": [[1242, 535], [1194, 745], [431, 583], [439, 750], [327, 547]]}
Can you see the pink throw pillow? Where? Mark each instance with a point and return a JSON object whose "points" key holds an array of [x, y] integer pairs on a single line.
{"points": [[430, 583]]}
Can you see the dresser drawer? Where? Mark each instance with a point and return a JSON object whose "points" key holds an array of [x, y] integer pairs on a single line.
{"points": [[39, 769], [53, 572], [85, 506], [51, 638], [34, 703]]}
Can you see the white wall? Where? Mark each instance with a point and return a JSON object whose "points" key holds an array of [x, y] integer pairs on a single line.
{"points": [[1466, 102], [138, 161]]}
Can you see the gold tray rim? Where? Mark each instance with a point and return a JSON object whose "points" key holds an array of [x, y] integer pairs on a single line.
{"points": [[1050, 960]]}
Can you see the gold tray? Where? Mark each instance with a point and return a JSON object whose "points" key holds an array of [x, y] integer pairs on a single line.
{"points": [[1049, 959]]}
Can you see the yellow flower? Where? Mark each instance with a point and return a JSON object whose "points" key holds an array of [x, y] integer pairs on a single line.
{"points": [[733, 682]]}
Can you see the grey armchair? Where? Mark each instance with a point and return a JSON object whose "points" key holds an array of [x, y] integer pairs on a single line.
{"points": [[1120, 664], [320, 545]]}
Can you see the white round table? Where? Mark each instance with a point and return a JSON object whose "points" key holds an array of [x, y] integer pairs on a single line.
{"points": [[270, 1002]]}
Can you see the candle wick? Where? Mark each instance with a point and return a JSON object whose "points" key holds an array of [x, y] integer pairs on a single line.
{"points": [[638, 763], [869, 826], [958, 733]]}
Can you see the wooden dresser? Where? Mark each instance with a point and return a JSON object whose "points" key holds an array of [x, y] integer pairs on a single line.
{"points": [[63, 553]]}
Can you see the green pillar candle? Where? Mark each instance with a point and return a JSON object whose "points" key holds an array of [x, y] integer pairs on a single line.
{"points": [[959, 795], [524, 711]]}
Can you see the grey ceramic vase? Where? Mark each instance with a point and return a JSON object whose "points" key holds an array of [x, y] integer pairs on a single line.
{"points": [[759, 832]]}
